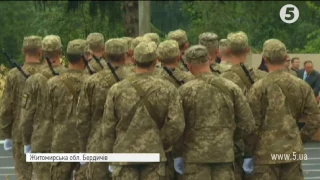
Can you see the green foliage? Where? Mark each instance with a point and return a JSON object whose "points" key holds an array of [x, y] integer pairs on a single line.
{"points": [[76, 19]]}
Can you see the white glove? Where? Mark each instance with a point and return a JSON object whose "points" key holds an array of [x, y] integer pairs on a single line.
{"points": [[248, 165], [7, 145], [110, 169], [178, 165], [27, 149]]}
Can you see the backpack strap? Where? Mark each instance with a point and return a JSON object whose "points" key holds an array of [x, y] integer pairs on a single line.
{"points": [[68, 84], [144, 96]]}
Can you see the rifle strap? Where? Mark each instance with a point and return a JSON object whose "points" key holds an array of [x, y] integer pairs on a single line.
{"points": [[146, 102], [242, 76], [219, 85], [173, 79]]}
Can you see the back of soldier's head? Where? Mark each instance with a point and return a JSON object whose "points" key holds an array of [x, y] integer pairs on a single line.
{"points": [[210, 41], [51, 46], [32, 45], [136, 41], [154, 37], [95, 42], [76, 49], [181, 37], [224, 46], [239, 43], [145, 54], [197, 55], [168, 52], [128, 41], [116, 49], [274, 51]]}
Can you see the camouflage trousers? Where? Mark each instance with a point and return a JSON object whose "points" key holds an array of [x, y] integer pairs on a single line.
{"points": [[23, 169], [285, 171], [64, 171], [98, 171], [214, 171], [150, 171], [41, 170]]}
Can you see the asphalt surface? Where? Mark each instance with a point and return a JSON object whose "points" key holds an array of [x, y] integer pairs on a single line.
{"points": [[311, 167]]}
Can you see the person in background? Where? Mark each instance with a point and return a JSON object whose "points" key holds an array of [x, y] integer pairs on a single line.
{"points": [[295, 63], [311, 76], [263, 66], [287, 67]]}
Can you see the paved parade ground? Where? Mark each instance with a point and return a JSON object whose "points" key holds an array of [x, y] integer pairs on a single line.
{"points": [[311, 167]]}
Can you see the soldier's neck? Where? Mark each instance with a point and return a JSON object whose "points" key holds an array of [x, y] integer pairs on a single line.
{"points": [[144, 70], [98, 54], [273, 68], [55, 61], [238, 59], [116, 64], [78, 66], [32, 59], [200, 70], [171, 66]]}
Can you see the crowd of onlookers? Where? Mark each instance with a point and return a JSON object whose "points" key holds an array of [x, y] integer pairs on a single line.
{"points": [[307, 73]]}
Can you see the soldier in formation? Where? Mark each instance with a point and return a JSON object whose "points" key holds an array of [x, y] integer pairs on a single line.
{"points": [[211, 42], [63, 92], [208, 139], [92, 98], [142, 95], [35, 126], [13, 100], [96, 45], [181, 37], [155, 107], [278, 101], [224, 54]]}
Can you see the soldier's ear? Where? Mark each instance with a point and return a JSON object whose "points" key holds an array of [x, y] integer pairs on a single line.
{"points": [[178, 58], [186, 45]]}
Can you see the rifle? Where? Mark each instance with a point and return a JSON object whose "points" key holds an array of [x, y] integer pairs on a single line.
{"points": [[247, 73], [87, 65], [98, 61], [171, 75], [14, 64], [51, 68], [184, 64], [113, 71]]}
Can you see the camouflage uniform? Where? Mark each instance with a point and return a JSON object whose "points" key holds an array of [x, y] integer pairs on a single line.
{"points": [[63, 91], [277, 102], [211, 42], [167, 52], [237, 74], [293, 72], [208, 139], [35, 127], [134, 43], [181, 37], [96, 41], [11, 109], [90, 109], [3, 73], [129, 128]]}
